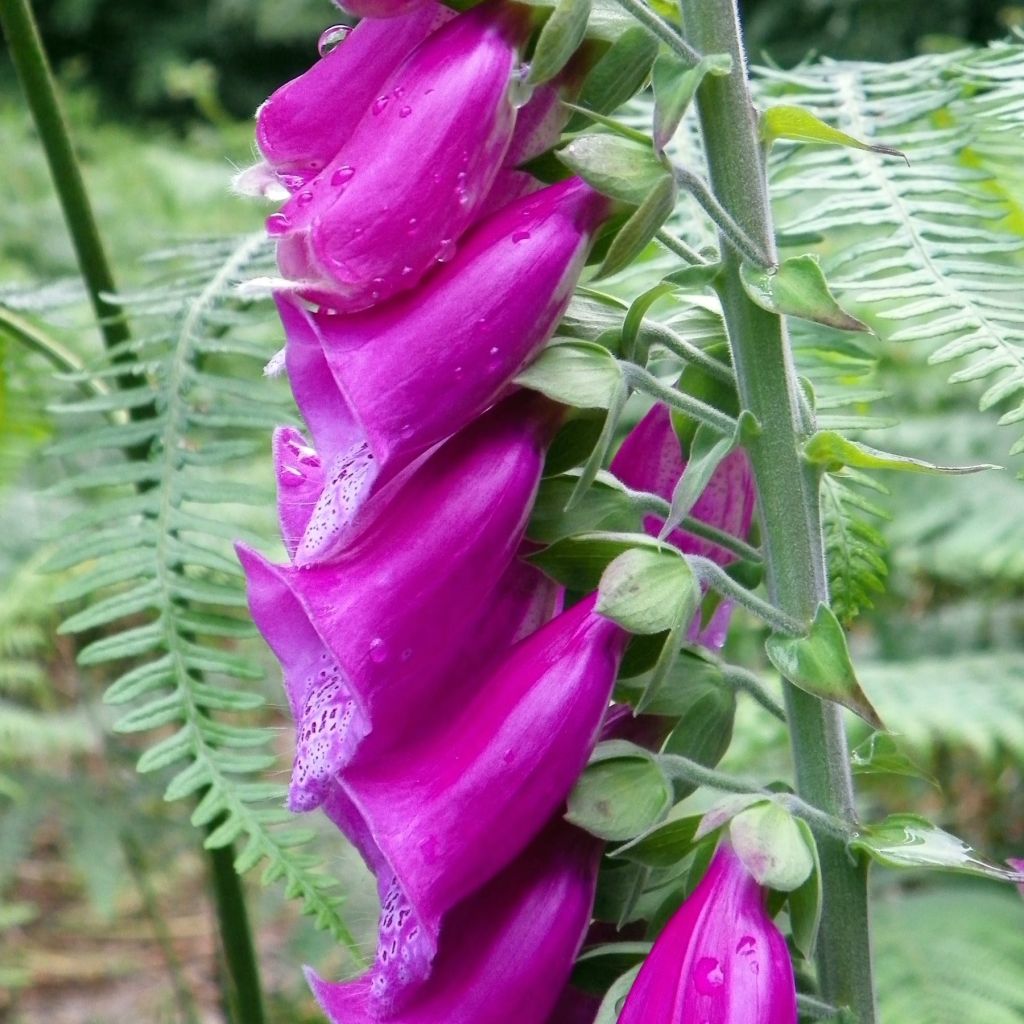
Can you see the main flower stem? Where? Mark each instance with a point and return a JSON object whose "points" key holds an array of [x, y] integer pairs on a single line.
{"points": [[33, 69], [787, 495]]}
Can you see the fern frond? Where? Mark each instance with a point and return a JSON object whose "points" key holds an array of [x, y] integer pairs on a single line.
{"points": [[919, 250], [154, 567], [945, 956]]}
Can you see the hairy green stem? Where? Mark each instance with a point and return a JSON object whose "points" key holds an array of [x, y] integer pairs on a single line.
{"points": [[676, 245], [652, 332], [787, 496], [718, 579], [744, 680], [660, 29], [639, 379], [32, 66]]}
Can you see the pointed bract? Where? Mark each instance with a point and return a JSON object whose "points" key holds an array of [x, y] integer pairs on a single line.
{"points": [[506, 952], [720, 960], [415, 171], [447, 351]]}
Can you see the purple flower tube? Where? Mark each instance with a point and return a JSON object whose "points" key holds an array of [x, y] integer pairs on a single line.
{"points": [[447, 351], [720, 960], [506, 952], [415, 171], [304, 123], [365, 644]]}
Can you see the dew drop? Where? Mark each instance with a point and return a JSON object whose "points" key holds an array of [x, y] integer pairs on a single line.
{"points": [[446, 251], [404, 111], [305, 198], [520, 89], [332, 37], [378, 105], [708, 975], [412, 225], [290, 477], [278, 224], [406, 271], [342, 175], [494, 352], [519, 236], [292, 182], [378, 650]]}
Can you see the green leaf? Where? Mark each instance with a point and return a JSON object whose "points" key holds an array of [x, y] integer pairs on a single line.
{"points": [[641, 227], [909, 841], [820, 664], [605, 505], [597, 967], [621, 793], [621, 71], [879, 755], [623, 169], [799, 125], [615, 997], [805, 901], [833, 451], [647, 591], [797, 287], [704, 730], [576, 373], [772, 846], [666, 843], [675, 84], [578, 562], [561, 35]]}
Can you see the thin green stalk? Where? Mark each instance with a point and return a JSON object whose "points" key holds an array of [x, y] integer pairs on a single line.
{"points": [[742, 679], [661, 29], [639, 379], [718, 579], [652, 332], [787, 496], [32, 66], [676, 245]]}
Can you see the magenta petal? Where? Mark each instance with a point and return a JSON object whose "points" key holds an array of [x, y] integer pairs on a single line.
{"points": [[505, 953], [462, 336], [720, 960], [462, 797], [575, 1007], [423, 573], [301, 127], [651, 459], [415, 171]]}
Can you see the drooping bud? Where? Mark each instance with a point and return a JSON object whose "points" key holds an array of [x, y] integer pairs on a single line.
{"points": [[447, 351], [412, 177], [720, 960]]}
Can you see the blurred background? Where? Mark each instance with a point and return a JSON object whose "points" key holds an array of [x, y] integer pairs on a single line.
{"points": [[161, 97]]}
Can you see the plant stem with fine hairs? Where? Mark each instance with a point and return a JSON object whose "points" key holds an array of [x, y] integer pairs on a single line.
{"points": [[787, 495]]}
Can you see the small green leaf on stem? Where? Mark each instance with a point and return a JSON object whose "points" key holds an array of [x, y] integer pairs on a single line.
{"points": [[640, 229], [624, 169], [648, 591], [772, 846], [620, 72], [910, 841], [879, 755], [578, 373], [799, 125], [820, 664], [797, 287], [622, 792], [665, 844], [675, 83], [561, 35], [833, 451]]}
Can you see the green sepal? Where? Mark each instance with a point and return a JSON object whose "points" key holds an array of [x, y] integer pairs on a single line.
{"points": [[910, 841], [805, 901], [665, 844], [561, 35], [675, 84], [605, 506], [799, 125], [797, 287], [643, 224], [831, 450], [621, 71], [624, 169], [771, 845], [724, 810], [578, 373], [615, 997], [820, 664], [621, 793], [648, 591], [704, 730]]}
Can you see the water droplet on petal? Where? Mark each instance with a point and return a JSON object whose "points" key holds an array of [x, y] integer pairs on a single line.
{"points": [[708, 975], [446, 250], [378, 650], [278, 224], [520, 89], [290, 477], [519, 236], [412, 225], [332, 37], [292, 182], [342, 175], [405, 111], [378, 105], [305, 198]]}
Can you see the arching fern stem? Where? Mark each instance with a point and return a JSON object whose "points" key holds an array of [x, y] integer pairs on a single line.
{"points": [[33, 69], [787, 493]]}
